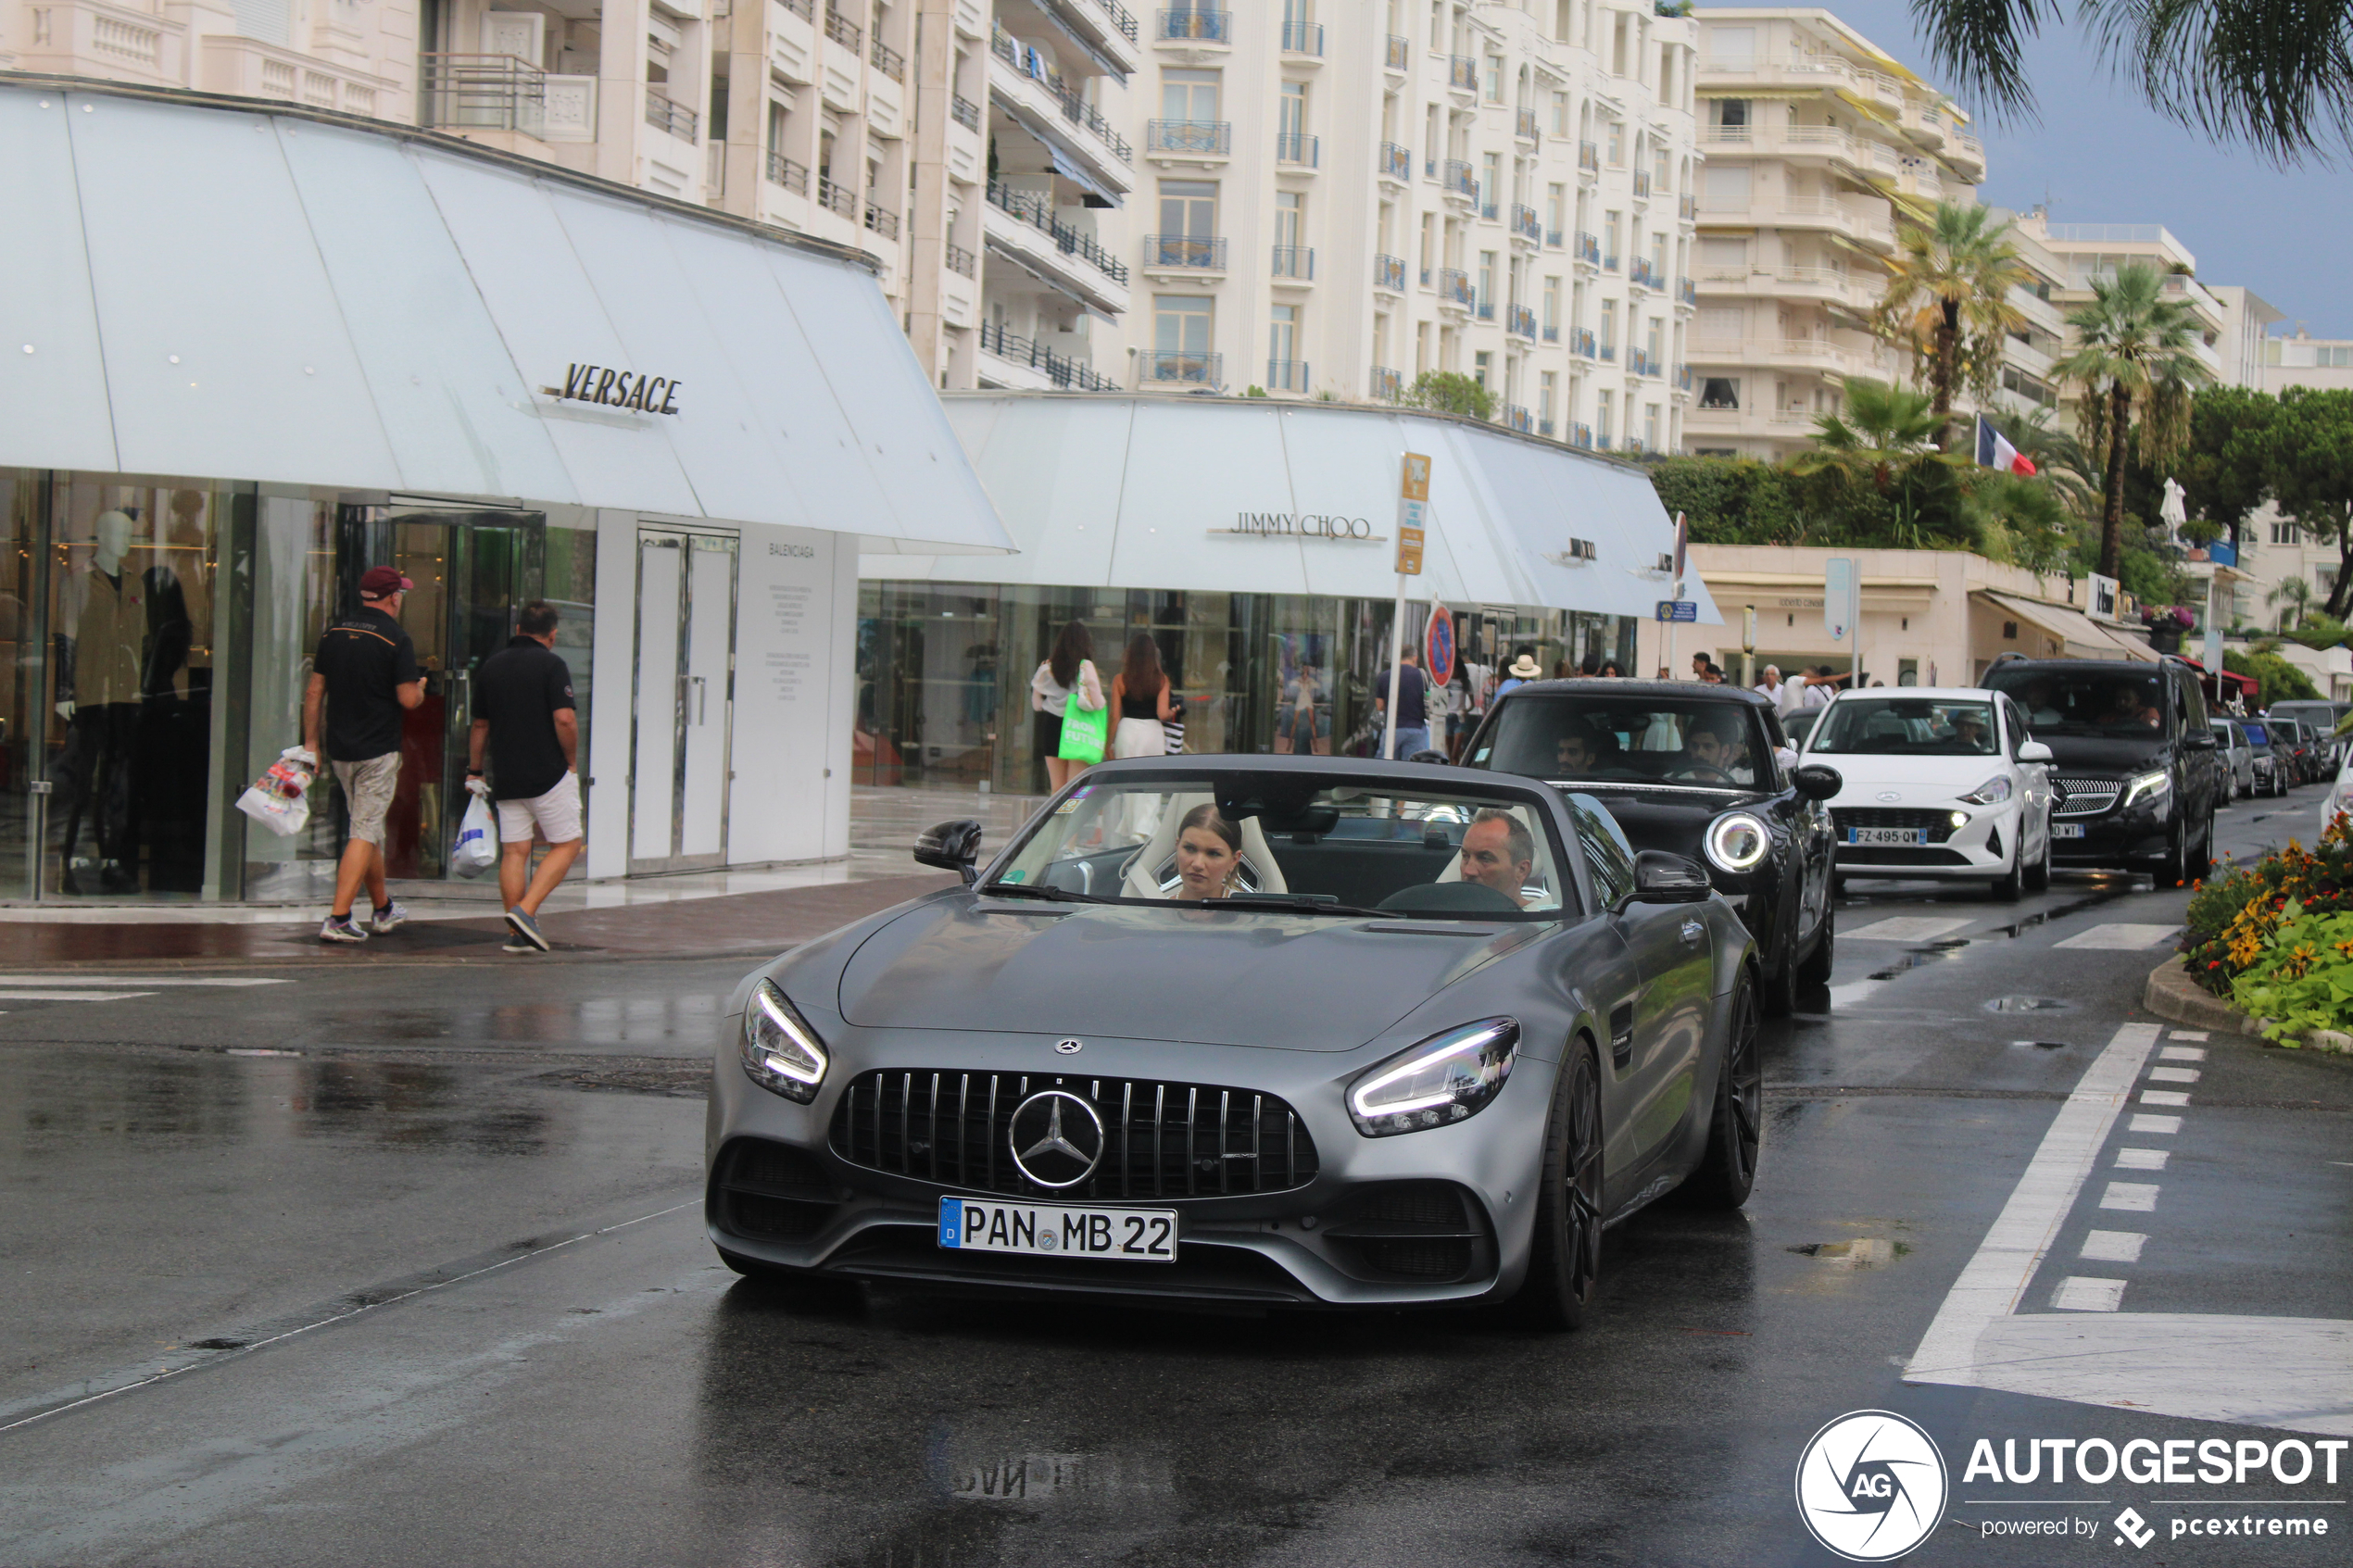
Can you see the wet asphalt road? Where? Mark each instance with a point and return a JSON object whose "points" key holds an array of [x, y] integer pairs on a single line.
{"points": [[429, 1286]]}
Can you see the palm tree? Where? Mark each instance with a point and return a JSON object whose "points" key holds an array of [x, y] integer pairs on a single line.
{"points": [[2296, 595], [2060, 461], [1883, 441], [1948, 300], [2135, 359]]}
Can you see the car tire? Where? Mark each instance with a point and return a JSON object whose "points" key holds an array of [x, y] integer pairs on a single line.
{"points": [[1736, 1129], [2038, 876], [1565, 1255], [2201, 864], [1815, 972], [2175, 873], [2007, 887]]}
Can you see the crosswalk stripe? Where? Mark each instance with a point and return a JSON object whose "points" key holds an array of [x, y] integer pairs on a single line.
{"points": [[71, 996], [1906, 928], [2119, 937], [147, 982]]}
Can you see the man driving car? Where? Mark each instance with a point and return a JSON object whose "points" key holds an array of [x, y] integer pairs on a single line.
{"points": [[1711, 749], [1498, 852]]}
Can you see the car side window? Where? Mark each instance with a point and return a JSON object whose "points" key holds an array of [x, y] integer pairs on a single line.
{"points": [[2193, 702], [1606, 858]]}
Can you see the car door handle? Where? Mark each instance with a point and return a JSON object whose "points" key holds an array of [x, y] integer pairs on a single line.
{"points": [[1693, 931], [1622, 1033]]}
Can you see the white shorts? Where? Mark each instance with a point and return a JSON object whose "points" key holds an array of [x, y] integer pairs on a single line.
{"points": [[556, 815]]}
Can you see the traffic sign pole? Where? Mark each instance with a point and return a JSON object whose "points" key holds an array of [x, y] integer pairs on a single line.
{"points": [[1413, 514]]}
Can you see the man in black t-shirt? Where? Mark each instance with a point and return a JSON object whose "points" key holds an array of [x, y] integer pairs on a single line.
{"points": [[363, 678], [524, 717], [1413, 716]]}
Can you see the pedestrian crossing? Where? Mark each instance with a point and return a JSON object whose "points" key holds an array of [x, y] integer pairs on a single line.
{"points": [[77, 987]]}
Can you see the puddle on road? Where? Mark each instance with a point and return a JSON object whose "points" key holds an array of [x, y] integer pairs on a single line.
{"points": [[1863, 1252], [2029, 1004]]}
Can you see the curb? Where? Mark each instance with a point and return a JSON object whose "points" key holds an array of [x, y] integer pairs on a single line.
{"points": [[2170, 993]]}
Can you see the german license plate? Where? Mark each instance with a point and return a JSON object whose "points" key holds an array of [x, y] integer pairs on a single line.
{"points": [[1887, 835], [1048, 1230], [2067, 830]]}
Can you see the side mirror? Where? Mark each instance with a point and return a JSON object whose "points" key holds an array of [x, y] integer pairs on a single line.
{"points": [[1815, 782], [2033, 751], [1662, 878], [952, 847], [2200, 740]]}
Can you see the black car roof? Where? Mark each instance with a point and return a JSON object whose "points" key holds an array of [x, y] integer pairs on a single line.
{"points": [[2056, 666], [1598, 685]]}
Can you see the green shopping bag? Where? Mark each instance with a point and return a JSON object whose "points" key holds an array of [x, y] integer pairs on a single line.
{"points": [[1085, 731]]}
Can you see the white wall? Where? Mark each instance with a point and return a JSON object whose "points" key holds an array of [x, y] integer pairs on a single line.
{"points": [[795, 614]]}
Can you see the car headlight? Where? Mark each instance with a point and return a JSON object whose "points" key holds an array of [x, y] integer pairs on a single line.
{"points": [[1737, 842], [1442, 1080], [781, 1053], [1992, 792], [2150, 787]]}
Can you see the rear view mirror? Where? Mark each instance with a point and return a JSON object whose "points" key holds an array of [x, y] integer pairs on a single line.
{"points": [[952, 847], [1815, 782], [1662, 878], [2033, 751]]}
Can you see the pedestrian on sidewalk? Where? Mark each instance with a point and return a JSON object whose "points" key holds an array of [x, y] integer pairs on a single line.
{"points": [[365, 677], [526, 718], [1413, 714]]}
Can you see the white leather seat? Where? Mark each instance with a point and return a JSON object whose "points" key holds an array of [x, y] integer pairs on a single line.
{"points": [[1142, 879]]}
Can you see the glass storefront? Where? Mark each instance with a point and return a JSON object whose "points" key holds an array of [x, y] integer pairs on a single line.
{"points": [[944, 668], [159, 633]]}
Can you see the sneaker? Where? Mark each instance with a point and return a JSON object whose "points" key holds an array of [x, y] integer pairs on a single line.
{"points": [[518, 947], [344, 930], [527, 929], [389, 919]]}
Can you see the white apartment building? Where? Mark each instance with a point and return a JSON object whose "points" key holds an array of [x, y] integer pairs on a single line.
{"points": [[1335, 198], [1815, 140]]}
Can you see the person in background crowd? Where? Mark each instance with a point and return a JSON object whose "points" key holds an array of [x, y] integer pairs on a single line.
{"points": [[1610, 671], [524, 717], [1522, 670], [1476, 678], [1592, 667], [1563, 670], [1139, 702], [1771, 686], [1068, 672], [1713, 675], [1822, 685], [1413, 711], [1700, 664], [363, 677]]}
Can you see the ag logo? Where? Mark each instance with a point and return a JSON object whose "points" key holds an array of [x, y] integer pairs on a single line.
{"points": [[1871, 1486]]}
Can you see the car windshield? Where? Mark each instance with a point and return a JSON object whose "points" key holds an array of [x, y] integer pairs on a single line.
{"points": [[1317, 844], [1906, 726], [1592, 738], [2109, 705], [2257, 734]]}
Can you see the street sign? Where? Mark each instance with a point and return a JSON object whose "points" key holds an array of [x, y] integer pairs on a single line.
{"points": [[1841, 604], [1413, 512], [1440, 639], [1679, 610]]}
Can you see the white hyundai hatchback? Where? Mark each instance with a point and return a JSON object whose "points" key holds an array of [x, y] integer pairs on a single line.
{"points": [[1942, 782]]}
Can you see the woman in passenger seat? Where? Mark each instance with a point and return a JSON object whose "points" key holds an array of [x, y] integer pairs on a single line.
{"points": [[1209, 854]]}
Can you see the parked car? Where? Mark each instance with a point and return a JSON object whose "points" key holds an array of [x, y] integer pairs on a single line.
{"points": [[1697, 770], [2270, 766], [2323, 717], [1257, 1030], [2137, 764], [2238, 757], [1942, 782], [2303, 748], [1798, 725]]}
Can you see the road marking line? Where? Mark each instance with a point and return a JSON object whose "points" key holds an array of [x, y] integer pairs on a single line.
{"points": [[2140, 1197], [2120, 937], [2155, 1124], [2113, 1246], [2141, 1159], [135, 980], [2174, 1074], [1906, 928], [2077, 1293], [2163, 1097], [2189, 1034], [71, 996], [2182, 1053]]}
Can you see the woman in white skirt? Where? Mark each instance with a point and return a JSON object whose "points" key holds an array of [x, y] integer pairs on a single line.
{"points": [[1140, 702]]}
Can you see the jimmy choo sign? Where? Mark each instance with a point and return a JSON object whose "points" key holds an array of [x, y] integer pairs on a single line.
{"points": [[1303, 525]]}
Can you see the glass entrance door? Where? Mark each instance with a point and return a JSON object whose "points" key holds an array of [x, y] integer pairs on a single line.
{"points": [[683, 703]]}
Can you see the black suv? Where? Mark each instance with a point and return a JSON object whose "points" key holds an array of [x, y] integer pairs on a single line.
{"points": [[2132, 749]]}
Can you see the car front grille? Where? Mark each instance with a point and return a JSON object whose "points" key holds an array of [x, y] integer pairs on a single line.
{"points": [[771, 1191], [1937, 824], [2087, 797], [1162, 1140]]}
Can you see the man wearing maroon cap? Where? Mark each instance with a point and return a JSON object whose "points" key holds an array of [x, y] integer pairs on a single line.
{"points": [[364, 675]]}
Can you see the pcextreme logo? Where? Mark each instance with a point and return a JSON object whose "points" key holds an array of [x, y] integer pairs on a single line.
{"points": [[1871, 1486]]}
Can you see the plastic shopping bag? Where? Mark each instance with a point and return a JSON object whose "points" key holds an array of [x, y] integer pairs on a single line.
{"points": [[477, 849], [279, 799]]}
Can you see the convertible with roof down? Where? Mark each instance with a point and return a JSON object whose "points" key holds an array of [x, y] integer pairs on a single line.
{"points": [[1278, 1031]]}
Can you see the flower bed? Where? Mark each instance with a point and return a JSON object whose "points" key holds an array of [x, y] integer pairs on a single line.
{"points": [[2276, 937]]}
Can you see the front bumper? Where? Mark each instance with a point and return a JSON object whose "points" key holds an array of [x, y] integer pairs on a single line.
{"points": [[1981, 849], [2139, 838]]}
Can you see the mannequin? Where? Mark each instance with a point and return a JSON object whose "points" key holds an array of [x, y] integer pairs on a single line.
{"points": [[99, 689]]}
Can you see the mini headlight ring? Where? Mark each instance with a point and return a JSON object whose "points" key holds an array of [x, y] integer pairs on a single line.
{"points": [[1737, 842]]}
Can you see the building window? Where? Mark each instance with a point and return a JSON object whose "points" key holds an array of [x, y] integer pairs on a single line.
{"points": [[1546, 386], [1293, 117], [1283, 371], [1560, 114], [1650, 427], [1720, 392], [1551, 306], [1486, 282], [1494, 78], [1188, 224], [1616, 145], [1555, 209], [2287, 531], [1480, 363], [1601, 403], [1609, 328], [1181, 339], [1188, 95], [1610, 240]]}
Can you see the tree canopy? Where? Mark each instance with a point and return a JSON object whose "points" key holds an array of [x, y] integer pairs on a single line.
{"points": [[1947, 300], [2135, 358], [1449, 392]]}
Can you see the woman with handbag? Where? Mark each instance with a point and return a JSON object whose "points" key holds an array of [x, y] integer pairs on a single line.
{"points": [[1067, 673], [1139, 702]]}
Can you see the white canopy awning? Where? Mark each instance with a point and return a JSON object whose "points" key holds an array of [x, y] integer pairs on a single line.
{"points": [[1241, 494], [200, 285], [2084, 637]]}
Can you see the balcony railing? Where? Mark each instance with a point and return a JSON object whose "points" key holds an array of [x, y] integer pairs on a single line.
{"points": [[1487, 211], [961, 260], [1518, 419], [1640, 362], [1388, 273], [1074, 108], [1609, 353], [1300, 151], [1061, 369], [1400, 52], [1543, 427], [1521, 321], [836, 198], [1461, 73], [1120, 18], [1486, 310], [1185, 250], [1687, 205], [1688, 292], [805, 9], [1683, 378], [1641, 185], [483, 93], [882, 220], [1527, 225], [1286, 375], [1456, 177], [1302, 38], [1553, 238], [1197, 25], [1589, 157], [842, 31], [1524, 125], [1205, 138], [1182, 364], [1609, 263], [783, 171], [1039, 213], [1601, 442], [1579, 436], [675, 119], [1396, 162], [889, 61], [1588, 249], [1639, 273], [964, 111], [1293, 261], [1581, 342], [1454, 287], [1386, 384]]}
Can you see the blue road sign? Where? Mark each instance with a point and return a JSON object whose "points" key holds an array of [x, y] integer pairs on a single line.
{"points": [[1679, 610]]}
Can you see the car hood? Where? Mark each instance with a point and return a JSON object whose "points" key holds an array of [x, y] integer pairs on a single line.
{"points": [[2084, 754], [1296, 982], [1909, 779], [1667, 821]]}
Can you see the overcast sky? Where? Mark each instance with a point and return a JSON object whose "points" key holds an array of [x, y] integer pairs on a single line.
{"points": [[2100, 156]]}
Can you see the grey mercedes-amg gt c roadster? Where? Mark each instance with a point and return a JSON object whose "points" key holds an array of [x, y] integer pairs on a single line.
{"points": [[1281, 1030]]}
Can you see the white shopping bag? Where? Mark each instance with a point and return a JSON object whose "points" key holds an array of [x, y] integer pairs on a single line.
{"points": [[283, 817], [477, 847]]}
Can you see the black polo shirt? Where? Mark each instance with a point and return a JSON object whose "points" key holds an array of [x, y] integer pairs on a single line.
{"points": [[363, 657], [520, 690]]}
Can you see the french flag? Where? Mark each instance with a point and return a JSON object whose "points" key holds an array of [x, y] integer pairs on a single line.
{"points": [[1994, 450]]}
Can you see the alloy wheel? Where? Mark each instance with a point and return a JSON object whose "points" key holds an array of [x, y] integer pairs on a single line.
{"points": [[1744, 1074], [1581, 1214]]}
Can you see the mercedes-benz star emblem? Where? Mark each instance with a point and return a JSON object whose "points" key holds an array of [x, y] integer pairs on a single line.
{"points": [[1056, 1138], [1070, 1048]]}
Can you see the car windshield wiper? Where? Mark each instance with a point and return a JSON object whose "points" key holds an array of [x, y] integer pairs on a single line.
{"points": [[1026, 890], [1309, 903]]}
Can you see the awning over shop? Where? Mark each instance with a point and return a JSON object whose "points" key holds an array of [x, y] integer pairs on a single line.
{"points": [[192, 285], [1253, 496], [2084, 637]]}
